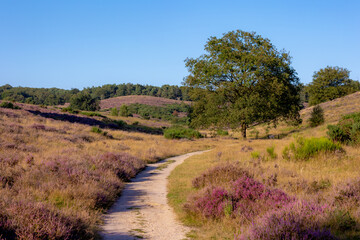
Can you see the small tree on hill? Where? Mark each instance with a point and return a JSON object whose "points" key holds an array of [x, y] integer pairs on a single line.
{"points": [[84, 101], [317, 116], [124, 111], [330, 83], [242, 79]]}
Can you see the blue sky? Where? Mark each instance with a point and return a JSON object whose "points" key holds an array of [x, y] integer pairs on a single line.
{"points": [[76, 44]]}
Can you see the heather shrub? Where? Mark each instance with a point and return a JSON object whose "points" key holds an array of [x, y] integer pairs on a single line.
{"points": [[244, 199], [316, 116], [347, 130], [178, 133], [348, 194], [305, 148], [219, 174], [296, 221], [9, 105], [38, 221]]}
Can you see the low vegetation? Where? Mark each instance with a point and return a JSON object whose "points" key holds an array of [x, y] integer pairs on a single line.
{"points": [[59, 172], [181, 132], [347, 130]]}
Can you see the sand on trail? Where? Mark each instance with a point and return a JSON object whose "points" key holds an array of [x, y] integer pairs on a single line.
{"points": [[142, 211]]}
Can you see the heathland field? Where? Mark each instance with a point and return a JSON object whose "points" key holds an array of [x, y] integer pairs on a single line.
{"points": [[60, 171]]}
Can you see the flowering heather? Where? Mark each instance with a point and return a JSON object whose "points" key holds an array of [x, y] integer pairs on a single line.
{"points": [[298, 220], [246, 199]]}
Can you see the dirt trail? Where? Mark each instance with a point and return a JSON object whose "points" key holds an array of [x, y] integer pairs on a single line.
{"points": [[142, 211]]}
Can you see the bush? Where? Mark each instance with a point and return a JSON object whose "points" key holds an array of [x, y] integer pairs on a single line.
{"points": [[221, 132], [84, 101], [124, 111], [317, 116], [92, 114], [271, 152], [178, 133], [347, 130], [96, 130], [114, 111], [69, 110], [9, 105], [307, 148]]}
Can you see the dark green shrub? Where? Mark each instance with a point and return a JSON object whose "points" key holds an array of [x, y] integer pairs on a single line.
{"points": [[178, 133], [84, 101], [347, 130], [92, 114], [317, 116], [124, 111], [304, 148], [69, 110], [9, 105]]}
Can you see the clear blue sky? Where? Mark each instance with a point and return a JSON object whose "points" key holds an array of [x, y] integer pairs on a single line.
{"points": [[76, 44]]}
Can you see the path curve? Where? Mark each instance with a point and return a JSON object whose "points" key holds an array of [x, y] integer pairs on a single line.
{"points": [[142, 211]]}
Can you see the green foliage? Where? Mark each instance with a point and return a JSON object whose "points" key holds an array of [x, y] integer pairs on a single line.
{"points": [[330, 83], [9, 105], [240, 80], [271, 152], [84, 101], [305, 148], [255, 155], [114, 111], [164, 112], [347, 130], [124, 111], [70, 110], [317, 116], [92, 114], [178, 133], [221, 132], [96, 130]]}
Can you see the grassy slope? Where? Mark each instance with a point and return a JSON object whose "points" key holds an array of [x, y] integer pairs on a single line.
{"points": [[298, 179], [147, 100], [31, 143]]}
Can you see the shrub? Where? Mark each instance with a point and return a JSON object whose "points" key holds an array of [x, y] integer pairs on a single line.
{"points": [[124, 111], [84, 101], [96, 130], [221, 132], [255, 155], [271, 152], [306, 148], [92, 114], [317, 116], [178, 133], [9, 105], [114, 111], [347, 130], [297, 221], [69, 110]]}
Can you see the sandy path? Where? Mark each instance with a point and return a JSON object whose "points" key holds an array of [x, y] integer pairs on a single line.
{"points": [[142, 211]]}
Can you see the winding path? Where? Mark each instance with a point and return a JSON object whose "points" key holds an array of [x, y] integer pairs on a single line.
{"points": [[142, 211]]}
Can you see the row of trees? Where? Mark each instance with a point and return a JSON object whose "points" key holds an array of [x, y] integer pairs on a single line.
{"points": [[56, 96]]}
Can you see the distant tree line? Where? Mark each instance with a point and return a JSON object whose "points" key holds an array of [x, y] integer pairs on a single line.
{"points": [[56, 96]]}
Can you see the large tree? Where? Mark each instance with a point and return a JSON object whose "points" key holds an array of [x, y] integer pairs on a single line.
{"points": [[242, 79], [330, 83]]}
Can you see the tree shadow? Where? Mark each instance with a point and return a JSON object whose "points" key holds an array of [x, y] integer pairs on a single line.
{"points": [[105, 123]]}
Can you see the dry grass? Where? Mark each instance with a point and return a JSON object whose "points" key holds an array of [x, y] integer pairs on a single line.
{"points": [[64, 171], [319, 179]]}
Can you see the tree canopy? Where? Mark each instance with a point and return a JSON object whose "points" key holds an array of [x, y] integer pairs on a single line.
{"points": [[242, 79], [84, 101], [330, 83]]}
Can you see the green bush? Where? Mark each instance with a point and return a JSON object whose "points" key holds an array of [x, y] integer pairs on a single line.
{"points": [[304, 148], [69, 110], [317, 116], [84, 101], [178, 133], [114, 111], [9, 105], [92, 114], [96, 130], [255, 155], [347, 130], [271, 152], [221, 132], [124, 111]]}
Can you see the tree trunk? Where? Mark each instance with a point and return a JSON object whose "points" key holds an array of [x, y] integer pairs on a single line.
{"points": [[243, 130]]}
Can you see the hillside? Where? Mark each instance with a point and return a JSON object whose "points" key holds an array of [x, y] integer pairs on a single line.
{"points": [[147, 100], [333, 110]]}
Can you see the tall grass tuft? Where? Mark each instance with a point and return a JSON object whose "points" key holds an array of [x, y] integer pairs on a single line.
{"points": [[305, 148]]}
